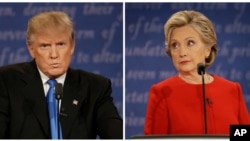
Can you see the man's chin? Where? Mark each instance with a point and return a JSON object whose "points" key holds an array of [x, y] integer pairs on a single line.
{"points": [[56, 73]]}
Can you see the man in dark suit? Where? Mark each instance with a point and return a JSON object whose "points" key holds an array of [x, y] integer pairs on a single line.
{"points": [[86, 109]]}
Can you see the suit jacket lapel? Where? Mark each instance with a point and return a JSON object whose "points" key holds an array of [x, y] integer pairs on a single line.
{"points": [[34, 94], [73, 96]]}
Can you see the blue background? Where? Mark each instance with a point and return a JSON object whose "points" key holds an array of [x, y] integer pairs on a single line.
{"points": [[99, 45], [98, 32], [147, 63]]}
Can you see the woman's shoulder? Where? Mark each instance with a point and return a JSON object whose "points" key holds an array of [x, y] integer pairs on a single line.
{"points": [[219, 80], [173, 80]]}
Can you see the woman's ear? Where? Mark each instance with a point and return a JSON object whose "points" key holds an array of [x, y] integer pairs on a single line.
{"points": [[208, 50]]}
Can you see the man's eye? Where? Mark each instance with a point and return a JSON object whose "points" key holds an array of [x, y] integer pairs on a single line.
{"points": [[44, 45], [61, 44]]}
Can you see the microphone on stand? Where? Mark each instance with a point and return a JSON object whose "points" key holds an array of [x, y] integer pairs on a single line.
{"points": [[59, 96], [59, 91], [201, 71]]}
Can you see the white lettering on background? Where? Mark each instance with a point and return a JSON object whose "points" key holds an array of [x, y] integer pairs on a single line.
{"points": [[31, 9], [140, 75], [148, 50], [8, 56], [134, 121], [7, 11], [136, 97], [12, 35], [94, 9]]}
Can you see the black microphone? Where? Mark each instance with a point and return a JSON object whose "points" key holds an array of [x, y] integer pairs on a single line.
{"points": [[201, 71], [59, 96], [59, 91]]}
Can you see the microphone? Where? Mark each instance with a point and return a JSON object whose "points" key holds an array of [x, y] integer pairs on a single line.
{"points": [[59, 91], [201, 71], [59, 96]]}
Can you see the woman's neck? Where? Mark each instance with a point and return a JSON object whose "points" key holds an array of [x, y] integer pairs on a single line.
{"points": [[195, 78]]}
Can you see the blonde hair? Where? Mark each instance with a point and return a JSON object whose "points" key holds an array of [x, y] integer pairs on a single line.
{"points": [[200, 23], [49, 20]]}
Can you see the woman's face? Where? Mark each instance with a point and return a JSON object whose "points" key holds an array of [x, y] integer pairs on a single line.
{"points": [[187, 49]]}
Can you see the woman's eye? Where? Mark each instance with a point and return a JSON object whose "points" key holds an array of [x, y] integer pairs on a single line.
{"points": [[174, 45], [190, 43]]}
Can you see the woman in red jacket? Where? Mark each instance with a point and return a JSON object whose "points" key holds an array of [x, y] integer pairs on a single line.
{"points": [[175, 105]]}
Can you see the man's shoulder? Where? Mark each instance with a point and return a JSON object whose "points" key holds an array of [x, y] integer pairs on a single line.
{"points": [[86, 75], [17, 67]]}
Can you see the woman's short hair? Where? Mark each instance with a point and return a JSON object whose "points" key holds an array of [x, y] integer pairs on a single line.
{"points": [[49, 20], [200, 23]]}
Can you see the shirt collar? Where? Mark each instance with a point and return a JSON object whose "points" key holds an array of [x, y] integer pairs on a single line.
{"points": [[45, 78]]}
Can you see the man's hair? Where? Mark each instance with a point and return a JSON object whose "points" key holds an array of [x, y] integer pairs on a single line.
{"points": [[45, 21]]}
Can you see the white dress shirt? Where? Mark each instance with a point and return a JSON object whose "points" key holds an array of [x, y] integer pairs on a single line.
{"points": [[45, 78]]}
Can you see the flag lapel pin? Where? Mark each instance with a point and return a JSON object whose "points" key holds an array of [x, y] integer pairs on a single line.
{"points": [[75, 102]]}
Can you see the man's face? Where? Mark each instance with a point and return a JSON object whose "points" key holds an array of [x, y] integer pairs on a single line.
{"points": [[52, 51]]}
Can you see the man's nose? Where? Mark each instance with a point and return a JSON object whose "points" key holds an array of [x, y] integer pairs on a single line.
{"points": [[54, 52]]}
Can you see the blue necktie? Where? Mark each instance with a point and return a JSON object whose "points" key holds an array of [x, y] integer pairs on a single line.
{"points": [[53, 114]]}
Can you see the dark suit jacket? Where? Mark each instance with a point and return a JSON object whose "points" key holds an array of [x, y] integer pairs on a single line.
{"points": [[24, 113]]}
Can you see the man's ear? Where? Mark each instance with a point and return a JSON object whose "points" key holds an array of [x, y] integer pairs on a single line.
{"points": [[72, 48], [31, 50]]}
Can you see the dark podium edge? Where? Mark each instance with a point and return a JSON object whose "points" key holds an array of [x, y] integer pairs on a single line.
{"points": [[210, 136]]}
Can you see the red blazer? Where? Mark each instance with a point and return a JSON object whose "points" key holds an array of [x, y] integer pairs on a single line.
{"points": [[176, 107]]}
